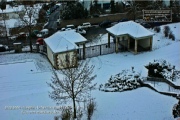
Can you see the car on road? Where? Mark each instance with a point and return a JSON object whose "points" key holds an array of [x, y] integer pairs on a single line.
{"points": [[3, 48], [105, 23]]}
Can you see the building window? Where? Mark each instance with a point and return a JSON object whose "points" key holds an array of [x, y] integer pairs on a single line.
{"points": [[67, 57]]}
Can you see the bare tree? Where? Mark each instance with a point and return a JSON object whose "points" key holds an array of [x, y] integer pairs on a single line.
{"points": [[3, 7], [154, 5], [133, 9], [91, 107], [28, 19], [75, 85]]}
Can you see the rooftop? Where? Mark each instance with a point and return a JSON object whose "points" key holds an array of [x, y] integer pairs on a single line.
{"points": [[64, 40], [132, 28]]}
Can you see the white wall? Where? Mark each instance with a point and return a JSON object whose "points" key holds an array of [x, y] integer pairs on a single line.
{"points": [[145, 43], [124, 40], [50, 55], [61, 59]]}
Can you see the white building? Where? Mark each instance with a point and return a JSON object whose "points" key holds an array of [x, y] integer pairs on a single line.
{"points": [[62, 48]]}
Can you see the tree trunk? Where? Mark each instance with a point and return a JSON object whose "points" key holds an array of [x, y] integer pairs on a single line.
{"points": [[4, 20], [74, 107], [73, 98], [30, 41]]}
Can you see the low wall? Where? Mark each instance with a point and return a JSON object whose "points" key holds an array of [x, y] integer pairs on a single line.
{"points": [[163, 80], [164, 93], [96, 20]]}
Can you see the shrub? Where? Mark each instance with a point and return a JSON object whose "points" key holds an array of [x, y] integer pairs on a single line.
{"points": [[171, 36], [91, 107], [166, 31], [157, 29], [66, 114]]}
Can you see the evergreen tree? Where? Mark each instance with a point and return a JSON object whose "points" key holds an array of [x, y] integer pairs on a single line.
{"points": [[113, 9], [74, 10]]}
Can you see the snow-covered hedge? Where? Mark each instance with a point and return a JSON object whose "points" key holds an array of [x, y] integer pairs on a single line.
{"points": [[176, 110], [126, 80], [162, 69]]}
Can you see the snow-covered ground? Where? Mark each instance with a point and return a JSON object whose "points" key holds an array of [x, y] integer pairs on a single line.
{"points": [[23, 80]]}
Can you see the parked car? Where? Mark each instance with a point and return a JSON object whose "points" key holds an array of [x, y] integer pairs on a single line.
{"points": [[105, 23], [80, 30], [3, 48], [21, 35], [123, 20], [63, 29], [70, 26], [95, 15], [33, 33], [146, 25], [43, 33], [85, 25], [139, 21], [40, 41]]}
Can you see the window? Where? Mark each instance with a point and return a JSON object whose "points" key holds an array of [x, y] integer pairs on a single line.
{"points": [[67, 57]]}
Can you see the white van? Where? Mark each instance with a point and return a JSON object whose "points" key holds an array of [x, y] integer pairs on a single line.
{"points": [[85, 25], [43, 33]]}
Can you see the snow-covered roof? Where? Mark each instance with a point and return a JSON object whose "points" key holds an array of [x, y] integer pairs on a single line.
{"points": [[64, 40], [132, 28]]}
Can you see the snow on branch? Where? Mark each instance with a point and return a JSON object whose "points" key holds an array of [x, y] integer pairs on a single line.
{"points": [[162, 69]]}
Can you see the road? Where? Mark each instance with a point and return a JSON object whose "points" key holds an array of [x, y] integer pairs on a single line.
{"points": [[52, 22]]}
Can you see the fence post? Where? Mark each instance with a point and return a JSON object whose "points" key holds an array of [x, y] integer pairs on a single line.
{"points": [[108, 40], [84, 50], [37, 47]]}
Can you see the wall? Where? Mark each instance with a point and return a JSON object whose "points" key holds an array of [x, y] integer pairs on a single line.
{"points": [[62, 62], [124, 40], [76, 22], [145, 43], [50, 56]]}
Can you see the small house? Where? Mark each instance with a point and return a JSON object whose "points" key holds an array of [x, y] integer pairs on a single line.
{"points": [[62, 48], [130, 36]]}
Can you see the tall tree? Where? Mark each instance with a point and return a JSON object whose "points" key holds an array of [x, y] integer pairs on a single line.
{"points": [[113, 9], [142, 3], [154, 5], [75, 84], [3, 7], [28, 20], [132, 10], [74, 10]]}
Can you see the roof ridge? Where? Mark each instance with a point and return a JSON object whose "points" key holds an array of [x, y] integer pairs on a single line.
{"points": [[64, 39]]}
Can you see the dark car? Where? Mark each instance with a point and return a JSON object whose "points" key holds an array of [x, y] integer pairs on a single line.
{"points": [[123, 20], [21, 36], [146, 25], [105, 23], [95, 15], [3, 48]]}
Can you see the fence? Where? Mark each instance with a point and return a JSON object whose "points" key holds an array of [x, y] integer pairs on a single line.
{"points": [[96, 50]]}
